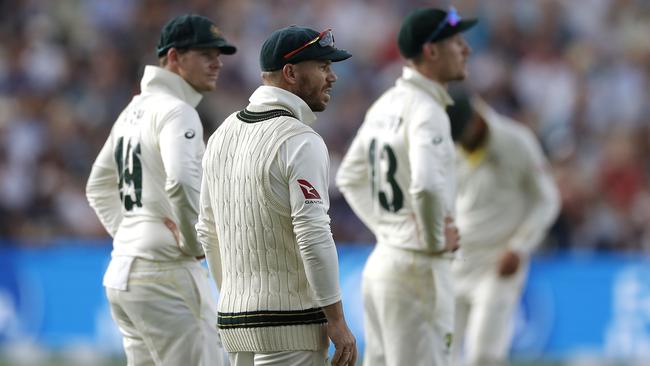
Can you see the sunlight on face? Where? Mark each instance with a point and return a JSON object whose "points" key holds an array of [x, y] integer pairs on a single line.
{"points": [[315, 81], [200, 68], [454, 52]]}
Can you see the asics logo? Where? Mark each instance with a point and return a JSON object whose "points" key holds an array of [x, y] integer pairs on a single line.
{"points": [[308, 190]]}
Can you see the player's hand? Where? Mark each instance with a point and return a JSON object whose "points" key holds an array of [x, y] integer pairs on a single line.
{"points": [[171, 225], [452, 237], [509, 263], [345, 345]]}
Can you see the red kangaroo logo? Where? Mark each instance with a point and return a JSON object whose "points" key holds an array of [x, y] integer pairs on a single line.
{"points": [[308, 190]]}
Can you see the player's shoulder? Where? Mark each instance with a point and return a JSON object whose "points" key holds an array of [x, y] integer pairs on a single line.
{"points": [[290, 127], [413, 103], [420, 98], [307, 142], [515, 139], [515, 130], [298, 131], [164, 104]]}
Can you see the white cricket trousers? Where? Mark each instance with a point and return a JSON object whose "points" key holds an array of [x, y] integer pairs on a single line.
{"points": [[167, 316], [408, 309], [287, 358], [485, 313]]}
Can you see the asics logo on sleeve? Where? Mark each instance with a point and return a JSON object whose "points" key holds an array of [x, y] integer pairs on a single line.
{"points": [[308, 190]]}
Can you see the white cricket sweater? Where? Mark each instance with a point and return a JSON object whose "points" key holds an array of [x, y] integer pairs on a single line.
{"points": [[265, 229]]}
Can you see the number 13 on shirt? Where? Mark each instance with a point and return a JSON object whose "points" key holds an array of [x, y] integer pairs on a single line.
{"points": [[383, 170]]}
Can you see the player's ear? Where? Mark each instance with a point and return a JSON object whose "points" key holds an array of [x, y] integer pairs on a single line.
{"points": [[430, 50], [173, 57], [289, 73]]}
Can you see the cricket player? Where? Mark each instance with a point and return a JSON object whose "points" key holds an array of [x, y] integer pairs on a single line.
{"points": [[263, 221], [506, 201], [144, 186], [399, 178]]}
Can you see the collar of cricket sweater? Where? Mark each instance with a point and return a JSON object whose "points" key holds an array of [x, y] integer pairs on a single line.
{"points": [[158, 80], [435, 89], [267, 98]]}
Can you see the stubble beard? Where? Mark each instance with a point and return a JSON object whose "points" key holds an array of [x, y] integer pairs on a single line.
{"points": [[312, 97]]}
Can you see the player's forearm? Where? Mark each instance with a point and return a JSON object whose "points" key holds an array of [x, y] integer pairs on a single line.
{"points": [[206, 231], [544, 208], [319, 258], [210, 245], [530, 233], [103, 196], [429, 212], [184, 202]]}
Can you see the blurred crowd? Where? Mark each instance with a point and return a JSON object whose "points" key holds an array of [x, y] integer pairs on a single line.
{"points": [[576, 72]]}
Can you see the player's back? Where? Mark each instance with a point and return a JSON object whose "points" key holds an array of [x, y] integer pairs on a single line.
{"points": [[254, 227], [142, 179], [385, 140], [405, 142]]}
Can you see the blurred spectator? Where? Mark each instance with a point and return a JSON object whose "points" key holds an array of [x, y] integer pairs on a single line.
{"points": [[577, 72]]}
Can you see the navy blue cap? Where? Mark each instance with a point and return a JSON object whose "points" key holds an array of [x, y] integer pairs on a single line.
{"points": [[418, 27], [192, 31], [283, 42]]}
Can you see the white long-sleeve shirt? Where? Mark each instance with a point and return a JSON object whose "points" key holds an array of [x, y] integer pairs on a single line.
{"points": [[149, 169], [399, 172], [264, 225], [508, 199]]}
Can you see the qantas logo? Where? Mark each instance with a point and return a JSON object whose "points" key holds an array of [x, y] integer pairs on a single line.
{"points": [[308, 190]]}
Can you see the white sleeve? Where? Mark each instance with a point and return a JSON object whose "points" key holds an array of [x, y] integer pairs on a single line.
{"points": [[206, 229], [353, 181], [428, 155], [542, 194], [305, 161], [102, 189], [181, 148]]}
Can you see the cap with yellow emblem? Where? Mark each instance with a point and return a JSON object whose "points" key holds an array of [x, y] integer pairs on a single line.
{"points": [[192, 31]]}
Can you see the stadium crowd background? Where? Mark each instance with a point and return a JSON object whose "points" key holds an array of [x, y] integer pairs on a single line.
{"points": [[576, 72]]}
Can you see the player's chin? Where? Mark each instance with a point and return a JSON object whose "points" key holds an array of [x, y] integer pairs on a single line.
{"points": [[211, 82], [209, 86], [460, 75], [463, 71], [318, 106]]}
